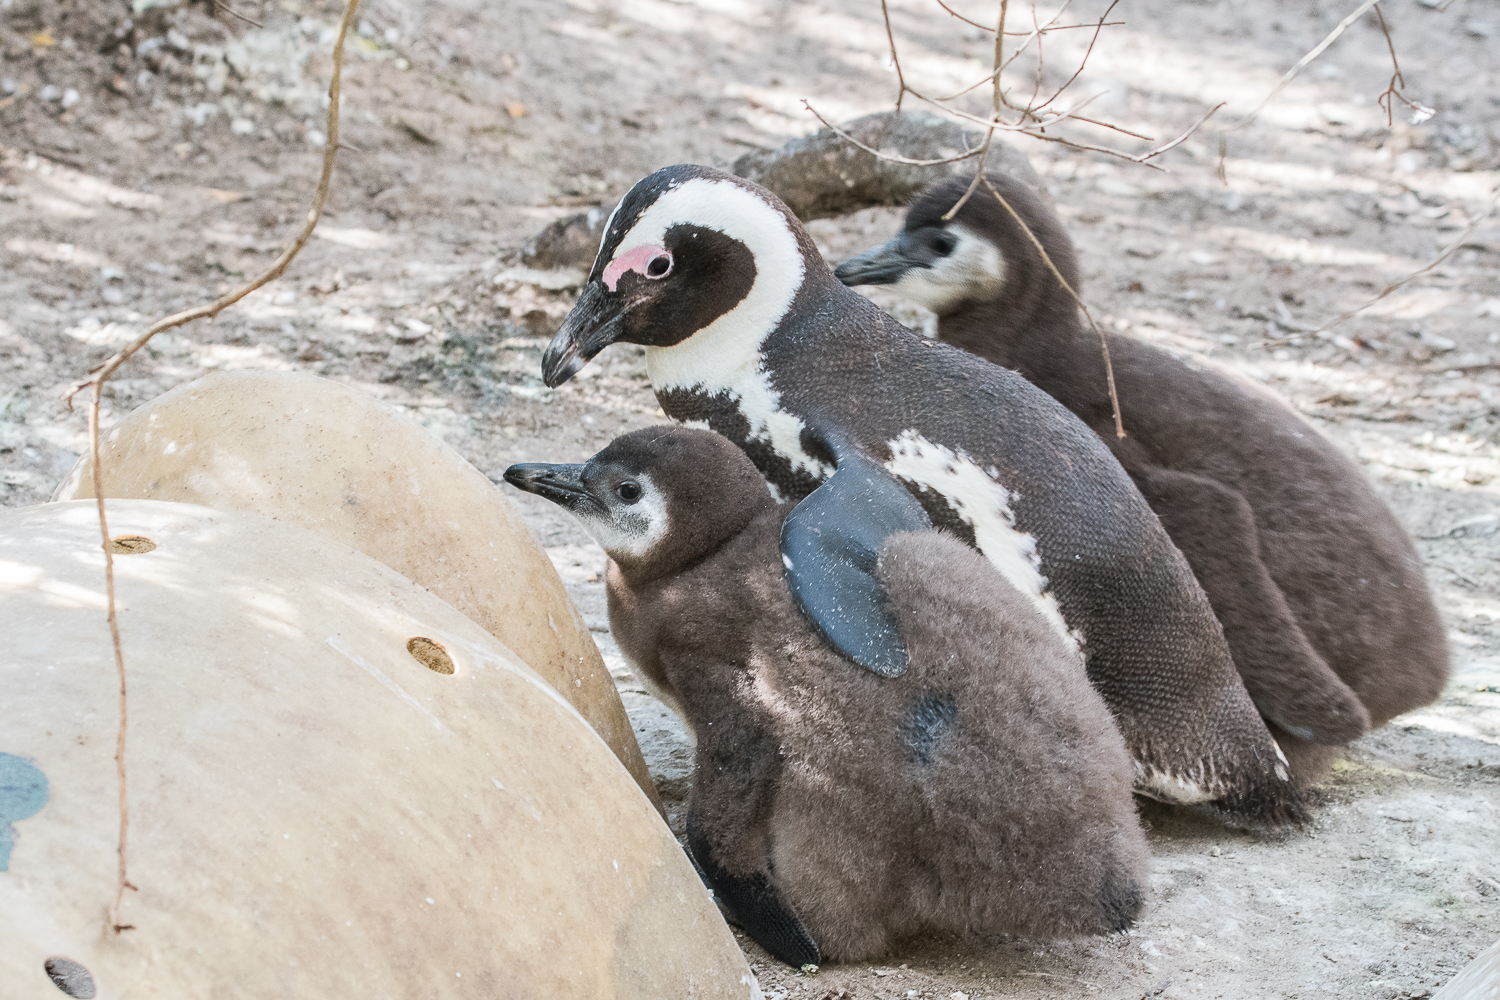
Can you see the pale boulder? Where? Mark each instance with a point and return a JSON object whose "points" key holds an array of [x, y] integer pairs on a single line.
{"points": [[318, 454], [315, 811]]}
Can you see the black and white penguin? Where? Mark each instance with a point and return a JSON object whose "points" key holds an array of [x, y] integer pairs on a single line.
{"points": [[748, 332], [834, 811], [1319, 589]]}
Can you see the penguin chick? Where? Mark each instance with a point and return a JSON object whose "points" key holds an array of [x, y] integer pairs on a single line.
{"points": [[834, 811], [1319, 589]]}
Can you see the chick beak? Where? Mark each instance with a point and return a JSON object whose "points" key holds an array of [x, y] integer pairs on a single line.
{"points": [[882, 265], [562, 484]]}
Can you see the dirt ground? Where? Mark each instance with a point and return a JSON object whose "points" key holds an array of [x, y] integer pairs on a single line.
{"points": [[152, 157]]}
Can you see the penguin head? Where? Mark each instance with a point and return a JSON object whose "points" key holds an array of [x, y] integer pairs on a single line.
{"points": [[688, 249], [655, 499], [980, 255]]}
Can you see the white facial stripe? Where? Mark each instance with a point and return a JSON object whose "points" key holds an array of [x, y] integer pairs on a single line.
{"points": [[984, 504], [973, 271], [632, 530], [725, 355]]}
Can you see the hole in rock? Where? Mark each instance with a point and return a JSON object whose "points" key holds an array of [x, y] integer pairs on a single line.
{"points": [[70, 977], [431, 655], [131, 545]]}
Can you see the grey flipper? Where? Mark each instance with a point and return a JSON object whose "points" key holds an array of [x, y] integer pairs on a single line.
{"points": [[830, 543]]}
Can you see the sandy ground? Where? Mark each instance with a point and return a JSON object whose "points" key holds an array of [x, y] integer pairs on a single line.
{"points": [[147, 164]]}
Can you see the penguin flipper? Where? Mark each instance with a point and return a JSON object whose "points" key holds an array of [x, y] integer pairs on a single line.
{"points": [[830, 543], [1290, 683]]}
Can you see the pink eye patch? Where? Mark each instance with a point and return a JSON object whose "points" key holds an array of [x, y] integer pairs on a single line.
{"points": [[648, 261]]}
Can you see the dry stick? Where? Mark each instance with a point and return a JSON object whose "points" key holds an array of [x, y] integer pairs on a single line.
{"points": [[1301, 64], [1084, 62], [1034, 33], [1434, 263], [1109, 369], [95, 383], [121, 881], [891, 38], [995, 99], [222, 5], [1017, 34], [1421, 111]]}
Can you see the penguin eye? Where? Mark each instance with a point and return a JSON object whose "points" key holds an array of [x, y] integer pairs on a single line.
{"points": [[628, 491], [660, 266], [943, 244]]}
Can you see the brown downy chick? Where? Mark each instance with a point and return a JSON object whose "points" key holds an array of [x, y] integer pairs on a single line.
{"points": [[1319, 589], [835, 811]]}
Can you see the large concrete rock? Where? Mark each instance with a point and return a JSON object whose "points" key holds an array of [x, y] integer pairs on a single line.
{"points": [[314, 453], [1479, 980], [338, 786]]}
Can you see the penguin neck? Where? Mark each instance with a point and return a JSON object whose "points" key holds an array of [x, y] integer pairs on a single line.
{"points": [[728, 364], [1033, 326], [713, 526]]}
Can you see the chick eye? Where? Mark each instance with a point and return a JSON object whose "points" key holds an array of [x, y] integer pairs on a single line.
{"points": [[943, 244], [628, 491], [659, 267]]}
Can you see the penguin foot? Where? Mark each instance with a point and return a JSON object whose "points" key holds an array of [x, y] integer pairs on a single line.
{"points": [[1259, 810]]}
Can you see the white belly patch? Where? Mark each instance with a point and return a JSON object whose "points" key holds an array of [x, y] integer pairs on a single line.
{"points": [[984, 504]]}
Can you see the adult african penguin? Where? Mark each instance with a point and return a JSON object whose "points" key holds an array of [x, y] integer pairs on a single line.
{"points": [[1319, 589], [875, 430], [835, 811]]}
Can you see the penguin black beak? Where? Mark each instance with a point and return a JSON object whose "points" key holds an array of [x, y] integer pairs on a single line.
{"points": [[883, 265], [562, 484], [591, 326]]}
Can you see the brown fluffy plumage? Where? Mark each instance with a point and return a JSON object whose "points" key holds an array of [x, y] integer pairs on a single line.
{"points": [[1319, 589], [985, 789]]}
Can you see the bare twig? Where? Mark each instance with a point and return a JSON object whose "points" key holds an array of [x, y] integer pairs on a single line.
{"points": [[1021, 34], [1462, 237], [889, 157], [1109, 368], [224, 6], [122, 881], [95, 384], [1082, 63], [995, 99], [1420, 112], [1301, 63], [890, 37]]}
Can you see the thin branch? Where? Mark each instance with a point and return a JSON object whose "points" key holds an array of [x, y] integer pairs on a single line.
{"points": [[122, 881], [224, 6], [314, 215], [891, 38], [889, 157], [1020, 34], [95, 384], [1084, 62], [1301, 63], [1016, 54], [995, 99], [1420, 112], [1183, 137], [1490, 208], [1109, 368]]}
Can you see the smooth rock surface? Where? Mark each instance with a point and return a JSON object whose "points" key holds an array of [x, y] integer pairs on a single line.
{"points": [[328, 458], [315, 811]]}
